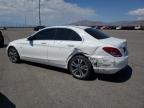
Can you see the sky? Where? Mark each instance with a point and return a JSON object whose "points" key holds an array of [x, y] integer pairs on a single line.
{"points": [[61, 12]]}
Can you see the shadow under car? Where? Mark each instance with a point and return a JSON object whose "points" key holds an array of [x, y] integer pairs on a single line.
{"points": [[121, 76]]}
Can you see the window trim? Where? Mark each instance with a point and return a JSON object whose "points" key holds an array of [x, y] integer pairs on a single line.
{"points": [[41, 31], [89, 32], [68, 40]]}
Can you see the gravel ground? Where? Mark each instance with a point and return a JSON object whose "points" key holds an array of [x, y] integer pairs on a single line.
{"points": [[30, 85]]}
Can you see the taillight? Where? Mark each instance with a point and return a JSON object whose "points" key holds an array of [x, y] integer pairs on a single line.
{"points": [[113, 51]]}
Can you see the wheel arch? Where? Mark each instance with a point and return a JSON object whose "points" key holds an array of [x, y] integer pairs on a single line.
{"points": [[76, 54], [11, 47], [8, 48], [90, 72]]}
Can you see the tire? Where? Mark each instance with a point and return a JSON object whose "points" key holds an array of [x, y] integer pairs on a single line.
{"points": [[1, 41], [80, 67], [13, 55]]}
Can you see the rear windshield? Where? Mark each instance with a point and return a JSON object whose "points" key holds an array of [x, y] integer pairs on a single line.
{"points": [[96, 34]]}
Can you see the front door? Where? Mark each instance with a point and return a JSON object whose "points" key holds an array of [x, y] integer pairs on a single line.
{"points": [[36, 47], [35, 50]]}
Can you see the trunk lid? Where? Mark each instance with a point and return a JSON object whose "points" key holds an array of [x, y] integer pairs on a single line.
{"points": [[114, 41], [119, 43]]}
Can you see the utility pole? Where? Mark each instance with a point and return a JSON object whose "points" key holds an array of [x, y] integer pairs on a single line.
{"points": [[25, 21], [39, 13], [25, 15]]}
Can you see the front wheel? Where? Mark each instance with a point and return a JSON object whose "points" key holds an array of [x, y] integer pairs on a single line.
{"points": [[80, 67], [13, 55]]}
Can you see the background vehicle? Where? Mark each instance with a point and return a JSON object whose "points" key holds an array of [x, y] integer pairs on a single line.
{"points": [[3, 28], [118, 27], [76, 48], [38, 28], [125, 28], [139, 27]]}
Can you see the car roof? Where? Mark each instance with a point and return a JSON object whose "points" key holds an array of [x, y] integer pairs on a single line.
{"points": [[69, 26], [78, 29]]}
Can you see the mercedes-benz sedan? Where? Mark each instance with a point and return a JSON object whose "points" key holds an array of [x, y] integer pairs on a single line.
{"points": [[76, 48]]}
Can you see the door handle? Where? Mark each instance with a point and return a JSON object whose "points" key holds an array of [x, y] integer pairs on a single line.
{"points": [[43, 43], [70, 45]]}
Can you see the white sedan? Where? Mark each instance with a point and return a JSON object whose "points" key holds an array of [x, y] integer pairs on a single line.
{"points": [[76, 48]]}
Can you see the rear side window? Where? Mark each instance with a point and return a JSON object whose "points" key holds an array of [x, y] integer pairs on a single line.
{"points": [[46, 34], [96, 34], [66, 34]]}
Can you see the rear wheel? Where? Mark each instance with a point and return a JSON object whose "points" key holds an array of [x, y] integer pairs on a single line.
{"points": [[80, 67], [13, 55]]}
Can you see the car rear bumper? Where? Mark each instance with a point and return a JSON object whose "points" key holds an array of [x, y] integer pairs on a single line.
{"points": [[109, 65]]}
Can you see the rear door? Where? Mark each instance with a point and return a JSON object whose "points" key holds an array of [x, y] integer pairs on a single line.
{"points": [[66, 42]]}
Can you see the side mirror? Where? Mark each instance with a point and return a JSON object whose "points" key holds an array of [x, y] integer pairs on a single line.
{"points": [[30, 38]]}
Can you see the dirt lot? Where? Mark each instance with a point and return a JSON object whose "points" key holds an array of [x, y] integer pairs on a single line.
{"points": [[29, 85]]}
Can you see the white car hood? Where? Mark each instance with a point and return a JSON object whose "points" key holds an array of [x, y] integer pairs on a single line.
{"points": [[114, 41]]}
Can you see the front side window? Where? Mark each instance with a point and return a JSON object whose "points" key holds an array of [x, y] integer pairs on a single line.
{"points": [[46, 34], [96, 34], [66, 34]]}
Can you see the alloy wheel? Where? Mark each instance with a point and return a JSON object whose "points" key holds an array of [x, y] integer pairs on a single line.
{"points": [[13, 55], [79, 67]]}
